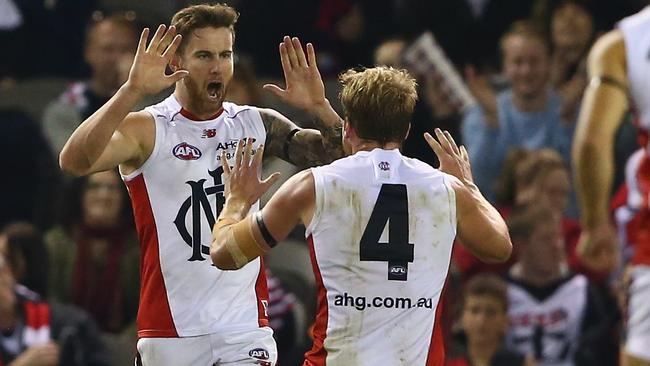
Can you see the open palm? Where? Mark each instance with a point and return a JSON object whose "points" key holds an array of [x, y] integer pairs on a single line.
{"points": [[147, 74], [304, 85]]}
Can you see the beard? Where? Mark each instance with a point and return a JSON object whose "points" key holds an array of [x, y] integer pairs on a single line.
{"points": [[205, 97]]}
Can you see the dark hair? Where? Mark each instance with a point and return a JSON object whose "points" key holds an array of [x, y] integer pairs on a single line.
{"points": [[488, 285], [379, 102], [506, 184], [25, 246], [200, 16]]}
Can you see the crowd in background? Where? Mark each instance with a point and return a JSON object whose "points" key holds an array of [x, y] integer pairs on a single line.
{"points": [[70, 243]]}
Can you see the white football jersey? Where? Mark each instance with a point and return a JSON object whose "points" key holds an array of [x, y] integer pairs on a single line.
{"points": [[636, 32], [548, 329], [176, 195], [381, 240]]}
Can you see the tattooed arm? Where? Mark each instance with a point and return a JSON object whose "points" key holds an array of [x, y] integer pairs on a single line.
{"points": [[304, 90], [304, 148]]}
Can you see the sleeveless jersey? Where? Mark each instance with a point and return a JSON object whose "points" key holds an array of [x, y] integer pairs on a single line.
{"points": [[176, 196], [548, 329], [634, 217], [380, 242]]}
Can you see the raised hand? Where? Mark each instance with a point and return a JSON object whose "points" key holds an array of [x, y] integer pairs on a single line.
{"points": [[304, 85], [147, 75], [242, 180], [453, 160]]}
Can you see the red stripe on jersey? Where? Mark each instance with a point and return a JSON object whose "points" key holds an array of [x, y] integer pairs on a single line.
{"points": [[262, 293], [639, 226], [154, 316], [436, 356], [191, 116], [317, 355]]}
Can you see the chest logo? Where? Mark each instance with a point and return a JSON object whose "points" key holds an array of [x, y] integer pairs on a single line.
{"points": [[185, 151], [197, 208]]}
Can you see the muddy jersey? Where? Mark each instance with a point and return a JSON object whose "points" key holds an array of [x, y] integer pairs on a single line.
{"points": [[380, 240], [176, 196]]}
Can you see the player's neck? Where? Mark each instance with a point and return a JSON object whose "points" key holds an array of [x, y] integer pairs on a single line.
{"points": [[371, 145], [198, 110]]}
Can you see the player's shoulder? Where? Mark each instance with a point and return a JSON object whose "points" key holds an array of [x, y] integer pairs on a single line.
{"points": [[233, 110], [608, 50]]}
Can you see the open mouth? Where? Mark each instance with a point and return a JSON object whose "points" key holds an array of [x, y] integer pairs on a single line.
{"points": [[214, 90]]}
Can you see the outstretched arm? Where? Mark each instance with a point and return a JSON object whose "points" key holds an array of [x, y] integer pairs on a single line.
{"points": [[603, 107], [481, 228], [304, 90], [112, 135]]}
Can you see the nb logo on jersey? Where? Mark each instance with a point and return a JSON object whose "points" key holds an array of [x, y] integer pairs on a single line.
{"points": [[185, 151], [198, 206], [209, 133]]}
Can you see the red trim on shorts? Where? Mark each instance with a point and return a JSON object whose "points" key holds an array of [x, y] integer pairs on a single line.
{"points": [[318, 354], [154, 315], [262, 294], [436, 356], [191, 116]]}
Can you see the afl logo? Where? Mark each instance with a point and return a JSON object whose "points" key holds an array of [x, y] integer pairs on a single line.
{"points": [[185, 151], [259, 353]]}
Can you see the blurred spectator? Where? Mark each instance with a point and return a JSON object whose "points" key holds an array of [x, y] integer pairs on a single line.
{"points": [[282, 319], [26, 190], [94, 254], [35, 332], [109, 49], [527, 114], [571, 34], [557, 317], [27, 255], [389, 52], [484, 322]]}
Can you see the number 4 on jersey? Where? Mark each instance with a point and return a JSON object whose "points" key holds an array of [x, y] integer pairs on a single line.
{"points": [[391, 208]]}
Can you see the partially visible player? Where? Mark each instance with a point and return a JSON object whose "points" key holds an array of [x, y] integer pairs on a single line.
{"points": [[380, 228], [619, 72], [190, 312]]}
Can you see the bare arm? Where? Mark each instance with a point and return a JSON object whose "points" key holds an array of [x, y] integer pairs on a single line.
{"points": [[481, 228], [112, 136], [602, 111], [304, 148], [603, 107], [304, 90]]}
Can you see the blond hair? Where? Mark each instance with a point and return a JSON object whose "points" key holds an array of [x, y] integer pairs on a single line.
{"points": [[379, 102]]}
